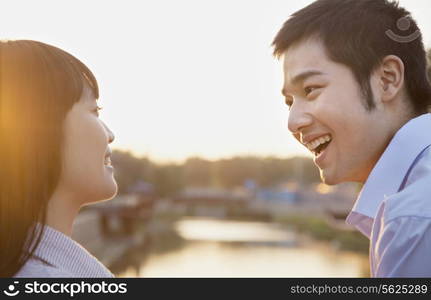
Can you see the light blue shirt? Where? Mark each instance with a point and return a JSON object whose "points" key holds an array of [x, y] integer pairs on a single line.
{"points": [[393, 208]]}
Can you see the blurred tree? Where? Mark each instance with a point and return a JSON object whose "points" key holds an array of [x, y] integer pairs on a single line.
{"points": [[268, 171], [274, 170], [310, 173], [168, 179], [197, 172], [228, 173], [233, 172], [129, 169]]}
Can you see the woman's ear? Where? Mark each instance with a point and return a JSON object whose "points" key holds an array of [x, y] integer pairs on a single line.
{"points": [[391, 77]]}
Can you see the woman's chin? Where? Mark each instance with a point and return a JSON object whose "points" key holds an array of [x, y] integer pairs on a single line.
{"points": [[112, 190], [105, 191], [110, 185]]}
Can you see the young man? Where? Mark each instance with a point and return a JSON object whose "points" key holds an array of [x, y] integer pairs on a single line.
{"points": [[356, 85]]}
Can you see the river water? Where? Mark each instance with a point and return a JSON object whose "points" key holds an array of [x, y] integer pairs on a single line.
{"points": [[221, 248]]}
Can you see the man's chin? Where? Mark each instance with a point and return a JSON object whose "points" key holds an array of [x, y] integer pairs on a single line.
{"points": [[328, 178]]}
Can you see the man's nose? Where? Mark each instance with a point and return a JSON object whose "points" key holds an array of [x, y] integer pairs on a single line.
{"points": [[298, 119]]}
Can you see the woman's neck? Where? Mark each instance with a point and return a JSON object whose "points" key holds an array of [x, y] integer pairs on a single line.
{"points": [[61, 212]]}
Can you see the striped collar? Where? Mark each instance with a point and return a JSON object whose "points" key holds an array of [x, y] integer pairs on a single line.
{"points": [[62, 252]]}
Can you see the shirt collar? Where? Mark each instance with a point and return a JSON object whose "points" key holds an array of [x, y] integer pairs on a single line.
{"points": [[62, 252], [390, 170]]}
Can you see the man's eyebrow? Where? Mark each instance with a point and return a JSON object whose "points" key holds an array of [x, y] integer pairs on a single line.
{"points": [[301, 77]]}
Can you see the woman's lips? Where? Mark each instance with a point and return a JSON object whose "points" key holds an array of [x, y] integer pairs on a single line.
{"points": [[108, 161]]}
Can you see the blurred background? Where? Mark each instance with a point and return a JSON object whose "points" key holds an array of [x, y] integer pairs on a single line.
{"points": [[211, 183]]}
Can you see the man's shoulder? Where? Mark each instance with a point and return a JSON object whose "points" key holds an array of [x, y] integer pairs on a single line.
{"points": [[415, 198], [422, 169], [35, 268]]}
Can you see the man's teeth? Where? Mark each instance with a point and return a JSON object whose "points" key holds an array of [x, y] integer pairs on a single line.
{"points": [[315, 143], [108, 161]]}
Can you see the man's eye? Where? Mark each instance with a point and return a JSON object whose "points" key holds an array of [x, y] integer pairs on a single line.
{"points": [[309, 89]]}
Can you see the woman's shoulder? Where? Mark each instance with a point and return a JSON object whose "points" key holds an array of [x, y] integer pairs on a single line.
{"points": [[58, 255], [36, 268]]}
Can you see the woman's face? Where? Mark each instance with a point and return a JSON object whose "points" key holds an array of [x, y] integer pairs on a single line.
{"points": [[87, 174]]}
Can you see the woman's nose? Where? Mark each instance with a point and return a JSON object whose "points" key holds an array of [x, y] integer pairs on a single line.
{"points": [[111, 136]]}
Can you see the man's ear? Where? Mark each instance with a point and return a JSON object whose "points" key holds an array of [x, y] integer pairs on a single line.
{"points": [[391, 77]]}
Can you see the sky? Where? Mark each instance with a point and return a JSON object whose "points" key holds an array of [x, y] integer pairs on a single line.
{"points": [[179, 78]]}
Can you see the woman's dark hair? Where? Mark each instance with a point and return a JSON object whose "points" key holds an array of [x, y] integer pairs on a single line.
{"points": [[429, 64], [359, 34], [39, 84]]}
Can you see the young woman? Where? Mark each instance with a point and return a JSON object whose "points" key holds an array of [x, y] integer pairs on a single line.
{"points": [[54, 158]]}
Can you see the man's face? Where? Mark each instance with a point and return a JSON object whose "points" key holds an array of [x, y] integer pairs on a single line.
{"points": [[327, 105]]}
